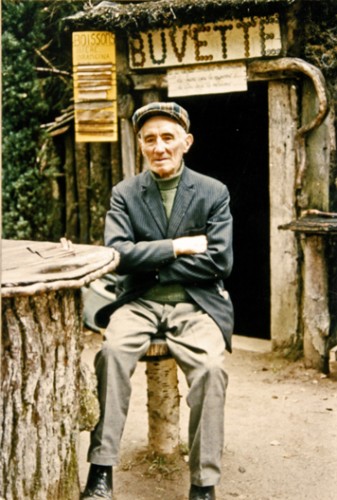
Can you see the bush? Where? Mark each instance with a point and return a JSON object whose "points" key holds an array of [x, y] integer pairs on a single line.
{"points": [[32, 39]]}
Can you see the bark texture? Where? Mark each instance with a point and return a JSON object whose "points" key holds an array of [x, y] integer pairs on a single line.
{"points": [[41, 346], [163, 406]]}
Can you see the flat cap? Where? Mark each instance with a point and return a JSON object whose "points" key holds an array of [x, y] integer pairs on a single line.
{"points": [[170, 109]]}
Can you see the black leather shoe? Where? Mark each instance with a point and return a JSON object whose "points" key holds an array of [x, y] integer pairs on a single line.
{"points": [[99, 483], [202, 492]]}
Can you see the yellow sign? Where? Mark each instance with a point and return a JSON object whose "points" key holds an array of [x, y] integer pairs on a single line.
{"points": [[95, 88], [223, 41]]}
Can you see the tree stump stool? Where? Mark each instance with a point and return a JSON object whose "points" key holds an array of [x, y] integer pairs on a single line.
{"points": [[41, 350], [163, 399]]}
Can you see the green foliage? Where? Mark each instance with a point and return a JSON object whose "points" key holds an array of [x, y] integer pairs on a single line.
{"points": [[36, 86], [320, 32]]}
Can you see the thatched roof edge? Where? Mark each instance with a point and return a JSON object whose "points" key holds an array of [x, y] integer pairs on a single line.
{"points": [[135, 17]]}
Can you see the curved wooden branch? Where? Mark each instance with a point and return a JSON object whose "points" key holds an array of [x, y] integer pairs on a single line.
{"points": [[296, 65]]}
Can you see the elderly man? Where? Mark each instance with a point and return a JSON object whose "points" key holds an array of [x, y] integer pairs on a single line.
{"points": [[173, 230]]}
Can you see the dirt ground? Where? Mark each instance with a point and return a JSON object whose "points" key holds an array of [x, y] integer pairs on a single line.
{"points": [[281, 433]]}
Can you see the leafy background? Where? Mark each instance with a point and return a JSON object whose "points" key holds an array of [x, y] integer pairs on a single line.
{"points": [[36, 86]]}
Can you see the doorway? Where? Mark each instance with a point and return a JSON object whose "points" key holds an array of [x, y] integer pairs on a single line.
{"points": [[231, 144]]}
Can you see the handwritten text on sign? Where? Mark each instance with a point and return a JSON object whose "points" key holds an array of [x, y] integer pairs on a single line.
{"points": [[216, 79], [95, 94], [213, 42]]}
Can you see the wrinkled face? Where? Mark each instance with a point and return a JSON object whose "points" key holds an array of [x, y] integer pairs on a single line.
{"points": [[163, 143]]}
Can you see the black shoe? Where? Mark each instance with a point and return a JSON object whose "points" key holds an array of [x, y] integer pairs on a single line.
{"points": [[99, 483], [202, 492]]}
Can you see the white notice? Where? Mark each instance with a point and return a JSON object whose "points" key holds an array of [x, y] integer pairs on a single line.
{"points": [[207, 79]]}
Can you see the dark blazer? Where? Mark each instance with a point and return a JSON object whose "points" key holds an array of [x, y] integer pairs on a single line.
{"points": [[137, 227]]}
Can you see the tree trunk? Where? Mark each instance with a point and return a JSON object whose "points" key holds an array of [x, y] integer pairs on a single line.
{"points": [[41, 378], [41, 346]]}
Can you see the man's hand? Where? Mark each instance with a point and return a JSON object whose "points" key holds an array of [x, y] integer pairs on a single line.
{"points": [[190, 245]]}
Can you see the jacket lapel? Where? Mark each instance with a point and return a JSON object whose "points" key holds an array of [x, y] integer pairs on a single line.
{"points": [[152, 199], [184, 195]]}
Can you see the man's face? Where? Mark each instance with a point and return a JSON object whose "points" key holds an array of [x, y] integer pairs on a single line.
{"points": [[163, 143]]}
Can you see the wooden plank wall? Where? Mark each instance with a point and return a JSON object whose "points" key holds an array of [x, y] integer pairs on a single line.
{"points": [[90, 170]]}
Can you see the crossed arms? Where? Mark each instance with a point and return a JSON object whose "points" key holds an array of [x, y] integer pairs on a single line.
{"points": [[201, 257]]}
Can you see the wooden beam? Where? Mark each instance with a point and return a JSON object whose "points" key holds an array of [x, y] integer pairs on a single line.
{"points": [[128, 148]]}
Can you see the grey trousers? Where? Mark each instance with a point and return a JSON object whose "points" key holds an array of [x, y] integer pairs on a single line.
{"points": [[197, 344]]}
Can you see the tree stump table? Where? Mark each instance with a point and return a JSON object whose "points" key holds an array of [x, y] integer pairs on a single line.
{"points": [[40, 376]]}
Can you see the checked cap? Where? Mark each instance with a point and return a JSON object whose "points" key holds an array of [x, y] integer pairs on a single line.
{"points": [[170, 109]]}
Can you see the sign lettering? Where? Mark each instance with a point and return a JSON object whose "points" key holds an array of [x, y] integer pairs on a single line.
{"points": [[213, 79], [95, 93], [213, 42]]}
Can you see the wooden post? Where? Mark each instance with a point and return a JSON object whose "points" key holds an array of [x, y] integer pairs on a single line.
{"points": [[41, 371], [100, 189], [314, 228], [70, 188], [82, 187], [163, 399], [283, 121], [316, 318], [128, 149]]}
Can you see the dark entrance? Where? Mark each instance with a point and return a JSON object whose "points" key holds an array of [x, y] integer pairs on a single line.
{"points": [[231, 144]]}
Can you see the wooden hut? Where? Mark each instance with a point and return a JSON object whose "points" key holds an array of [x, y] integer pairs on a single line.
{"points": [[257, 79]]}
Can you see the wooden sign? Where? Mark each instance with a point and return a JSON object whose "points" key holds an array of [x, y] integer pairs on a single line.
{"points": [[213, 79], [95, 90], [212, 42]]}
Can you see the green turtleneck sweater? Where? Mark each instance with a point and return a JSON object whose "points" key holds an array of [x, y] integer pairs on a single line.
{"points": [[170, 293]]}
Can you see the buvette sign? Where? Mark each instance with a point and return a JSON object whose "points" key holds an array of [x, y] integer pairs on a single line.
{"points": [[212, 42]]}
